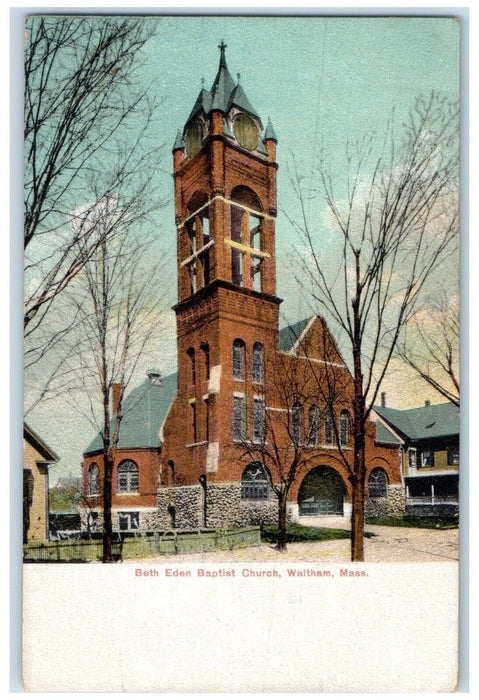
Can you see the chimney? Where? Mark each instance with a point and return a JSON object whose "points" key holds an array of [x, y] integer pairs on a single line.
{"points": [[115, 397], [154, 376], [383, 399], [427, 402]]}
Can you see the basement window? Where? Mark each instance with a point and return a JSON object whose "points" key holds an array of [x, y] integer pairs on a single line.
{"points": [[129, 521]]}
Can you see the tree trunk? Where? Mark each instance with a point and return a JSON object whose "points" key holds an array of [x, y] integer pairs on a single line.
{"points": [[282, 522], [107, 498], [357, 521]]}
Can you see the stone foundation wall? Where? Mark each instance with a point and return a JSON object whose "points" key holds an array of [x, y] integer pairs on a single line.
{"points": [[180, 507], [148, 520], [393, 504]]}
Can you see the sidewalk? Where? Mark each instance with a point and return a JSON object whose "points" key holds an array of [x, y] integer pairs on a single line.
{"points": [[390, 544]]}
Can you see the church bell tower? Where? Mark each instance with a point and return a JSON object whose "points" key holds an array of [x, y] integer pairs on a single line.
{"points": [[225, 201]]}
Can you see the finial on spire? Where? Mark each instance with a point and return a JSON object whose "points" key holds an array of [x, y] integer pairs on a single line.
{"points": [[238, 75], [202, 82], [222, 47]]}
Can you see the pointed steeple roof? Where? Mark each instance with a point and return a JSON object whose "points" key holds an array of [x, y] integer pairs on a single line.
{"points": [[179, 142], [203, 102], [223, 84], [270, 132], [239, 99]]}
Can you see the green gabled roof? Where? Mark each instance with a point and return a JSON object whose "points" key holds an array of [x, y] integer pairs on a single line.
{"points": [[437, 420], [238, 99], [385, 436], [223, 95], [223, 86], [179, 142], [203, 103], [288, 336], [144, 412]]}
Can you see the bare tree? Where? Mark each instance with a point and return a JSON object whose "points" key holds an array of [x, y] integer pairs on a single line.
{"points": [[117, 306], [302, 390], [86, 138], [394, 223], [431, 346]]}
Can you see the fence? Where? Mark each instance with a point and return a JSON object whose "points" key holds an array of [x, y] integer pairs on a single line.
{"points": [[143, 545]]}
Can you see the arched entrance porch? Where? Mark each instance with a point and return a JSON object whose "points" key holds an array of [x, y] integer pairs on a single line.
{"points": [[322, 493]]}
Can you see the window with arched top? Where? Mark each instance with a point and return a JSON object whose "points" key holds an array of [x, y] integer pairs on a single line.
{"points": [[313, 425], [296, 421], [328, 428], [239, 359], [127, 477], [246, 239], [255, 484], [378, 483], [258, 363], [93, 480], [344, 428]]}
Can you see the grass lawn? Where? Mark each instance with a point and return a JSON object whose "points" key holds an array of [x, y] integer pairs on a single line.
{"points": [[304, 533], [415, 521]]}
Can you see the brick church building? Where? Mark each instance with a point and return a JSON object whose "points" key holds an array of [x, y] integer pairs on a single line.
{"points": [[243, 386]]}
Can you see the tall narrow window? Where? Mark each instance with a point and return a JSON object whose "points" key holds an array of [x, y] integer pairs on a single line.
{"points": [[192, 362], [205, 256], [258, 363], [207, 420], [256, 273], [296, 414], [194, 434], [344, 428], [313, 426], [239, 415], [206, 359], [127, 477], [328, 428], [258, 421], [239, 359], [255, 231], [93, 480], [237, 273]]}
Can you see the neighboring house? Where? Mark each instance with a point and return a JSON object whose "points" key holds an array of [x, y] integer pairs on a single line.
{"points": [[227, 331], [37, 458], [429, 437], [137, 463]]}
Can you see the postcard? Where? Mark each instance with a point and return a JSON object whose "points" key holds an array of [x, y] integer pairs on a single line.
{"points": [[241, 317]]}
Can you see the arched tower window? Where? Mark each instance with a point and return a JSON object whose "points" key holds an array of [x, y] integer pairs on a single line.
{"points": [[255, 484], [344, 428], [378, 483], [296, 420], [239, 359], [328, 428], [127, 477], [258, 363], [93, 480], [246, 231], [313, 426]]}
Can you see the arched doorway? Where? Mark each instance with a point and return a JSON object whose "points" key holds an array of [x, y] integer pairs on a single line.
{"points": [[321, 493]]}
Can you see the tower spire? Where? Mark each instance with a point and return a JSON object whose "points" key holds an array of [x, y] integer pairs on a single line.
{"points": [[222, 47]]}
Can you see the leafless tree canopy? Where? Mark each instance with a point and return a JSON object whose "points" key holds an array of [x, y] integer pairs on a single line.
{"points": [[393, 225], [116, 304], [431, 346], [86, 139]]}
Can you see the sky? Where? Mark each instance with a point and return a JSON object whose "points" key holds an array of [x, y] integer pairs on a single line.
{"points": [[323, 82]]}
